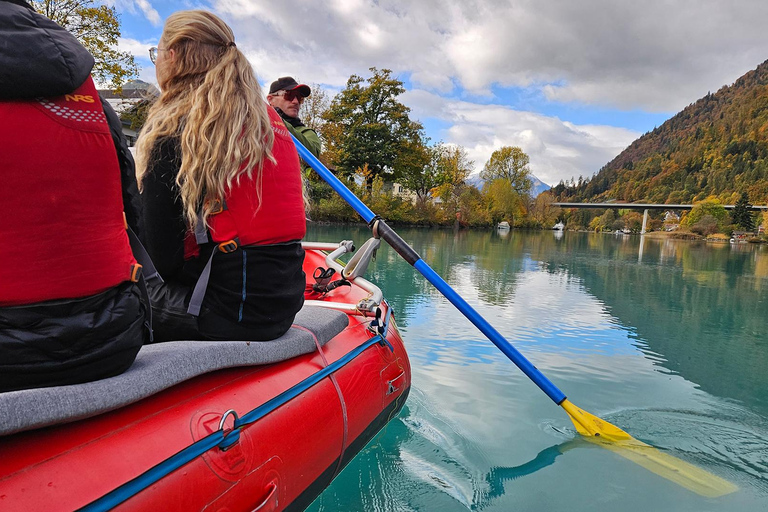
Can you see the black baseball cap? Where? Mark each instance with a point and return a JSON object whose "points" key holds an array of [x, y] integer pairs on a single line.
{"points": [[287, 83]]}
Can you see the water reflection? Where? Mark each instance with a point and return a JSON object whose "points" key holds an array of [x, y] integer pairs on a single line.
{"points": [[701, 307], [694, 308], [663, 338]]}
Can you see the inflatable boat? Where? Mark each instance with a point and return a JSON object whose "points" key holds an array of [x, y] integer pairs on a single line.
{"points": [[218, 426]]}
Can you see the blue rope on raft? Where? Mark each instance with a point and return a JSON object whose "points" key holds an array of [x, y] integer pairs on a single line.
{"points": [[219, 438]]}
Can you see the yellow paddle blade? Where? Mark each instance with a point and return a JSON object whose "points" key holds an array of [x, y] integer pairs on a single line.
{"points": [[612, 437]]}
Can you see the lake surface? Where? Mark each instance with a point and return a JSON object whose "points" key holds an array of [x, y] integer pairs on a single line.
{"points": [[665, 339]]}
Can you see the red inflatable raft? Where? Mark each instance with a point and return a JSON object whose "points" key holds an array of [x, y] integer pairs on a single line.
{"points": [[220, 426]]}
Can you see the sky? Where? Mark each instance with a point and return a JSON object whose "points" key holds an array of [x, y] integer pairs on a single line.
{"points": [[572, 83]]}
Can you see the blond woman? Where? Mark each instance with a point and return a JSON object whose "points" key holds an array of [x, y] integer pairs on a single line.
{"points": [[221, 188]]}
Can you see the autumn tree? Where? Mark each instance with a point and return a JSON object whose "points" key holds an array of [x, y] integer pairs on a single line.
{"points": [[367, 124], [504, 203], [542, 210], [314, 106], [509, 163], [417, 167], [97, 27], [454, 168], [709, 207], [433, 170]]}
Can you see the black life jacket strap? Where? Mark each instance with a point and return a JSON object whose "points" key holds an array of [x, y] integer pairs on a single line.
{"points": [[142, 271]]}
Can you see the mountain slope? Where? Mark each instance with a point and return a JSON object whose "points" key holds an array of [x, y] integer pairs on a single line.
{"points": [[715, 146]]}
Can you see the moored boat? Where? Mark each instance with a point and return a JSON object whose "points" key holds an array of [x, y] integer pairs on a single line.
{"points": [[217, 425]]}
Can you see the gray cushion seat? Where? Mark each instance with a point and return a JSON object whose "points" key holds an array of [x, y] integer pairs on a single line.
{"points": [[160, 366]]}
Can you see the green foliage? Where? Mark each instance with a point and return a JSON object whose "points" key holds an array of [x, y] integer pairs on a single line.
{"points": [[509, 163], [633, 221], [418, 167], [471, 208], [97, 27], [137, 114], [709, 208], [716, 146], [367, 125], [742, 214], [504, 202]]}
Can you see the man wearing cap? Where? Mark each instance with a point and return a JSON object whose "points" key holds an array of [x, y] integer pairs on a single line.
{"points": [[286, 96]]}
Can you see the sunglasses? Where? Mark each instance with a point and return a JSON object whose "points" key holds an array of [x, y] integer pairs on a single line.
{"points": [[291, 95], [153, 53]]}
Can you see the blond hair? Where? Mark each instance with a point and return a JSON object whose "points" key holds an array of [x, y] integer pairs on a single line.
{"points": [[212, 101]]}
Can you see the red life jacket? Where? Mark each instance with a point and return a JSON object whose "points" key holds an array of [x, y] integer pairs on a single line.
{"points": [[278, 217], [62, 230]]}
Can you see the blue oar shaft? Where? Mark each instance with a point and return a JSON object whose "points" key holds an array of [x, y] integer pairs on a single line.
{"points": [[407, 252], [492, 334]]}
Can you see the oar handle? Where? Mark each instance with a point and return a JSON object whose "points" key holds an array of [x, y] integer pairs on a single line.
{"points": [[406, 251]]}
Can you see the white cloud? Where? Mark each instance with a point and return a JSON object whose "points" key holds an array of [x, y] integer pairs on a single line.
{"points": [[558, 149], [140, 51], [652, 55], [151, 14], [645, 56]]}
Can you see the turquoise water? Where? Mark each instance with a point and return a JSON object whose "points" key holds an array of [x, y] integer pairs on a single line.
{"points": [[666, 339]]}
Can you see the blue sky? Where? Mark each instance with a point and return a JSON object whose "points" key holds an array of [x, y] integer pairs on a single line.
{"points": [[572, 83]]}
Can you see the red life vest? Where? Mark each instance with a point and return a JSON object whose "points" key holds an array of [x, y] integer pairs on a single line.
{"points": [[278, 217], [62, 230]]}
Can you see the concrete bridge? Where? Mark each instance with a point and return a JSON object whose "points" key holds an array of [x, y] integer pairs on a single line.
{"points": [[645, 207]]}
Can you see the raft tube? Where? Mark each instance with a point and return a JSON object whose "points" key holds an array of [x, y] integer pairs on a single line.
{"points": [[251, 437]]}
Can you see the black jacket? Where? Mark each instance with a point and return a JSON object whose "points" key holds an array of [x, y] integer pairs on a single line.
{"points": [[68, 340], [253, 293]]}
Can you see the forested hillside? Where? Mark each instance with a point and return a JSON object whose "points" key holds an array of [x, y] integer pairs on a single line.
{"points": [[715, 146]]}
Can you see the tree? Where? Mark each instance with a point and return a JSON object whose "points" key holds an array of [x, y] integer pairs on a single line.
{"points": [[633, 220], [742, 213], [313, 108], [542, 210], [418, 167], [366, 124], [509, 163], [136, 115], [454, 168], [97, 27], [707, 225], [711, 207], [504, 203]]}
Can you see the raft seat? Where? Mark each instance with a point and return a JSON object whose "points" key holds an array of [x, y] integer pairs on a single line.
{"points": [[160, 366]]}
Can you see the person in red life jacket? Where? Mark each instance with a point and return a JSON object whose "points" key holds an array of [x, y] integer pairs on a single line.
{"points": [[70, 310], [221, 188]]}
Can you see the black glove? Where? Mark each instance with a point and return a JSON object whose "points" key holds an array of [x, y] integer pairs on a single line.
{"points": [[295, 121]]}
